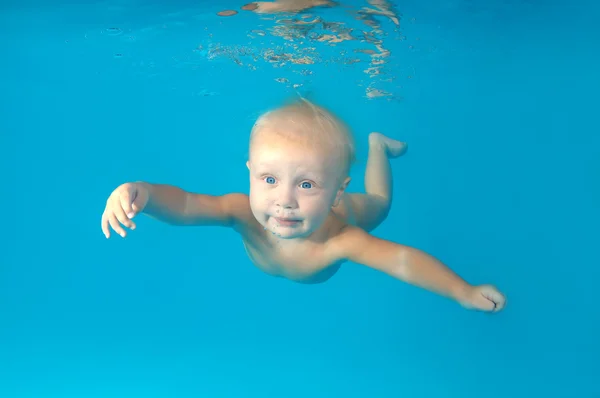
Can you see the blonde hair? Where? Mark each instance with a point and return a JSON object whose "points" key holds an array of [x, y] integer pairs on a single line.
{"points": [[310, 124]]}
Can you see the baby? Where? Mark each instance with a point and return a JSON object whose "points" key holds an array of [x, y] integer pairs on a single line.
{"points": [[298, 222], [283, 6]]}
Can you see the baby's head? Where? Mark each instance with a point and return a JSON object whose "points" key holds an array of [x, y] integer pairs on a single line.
{"points": [[299, 160]]}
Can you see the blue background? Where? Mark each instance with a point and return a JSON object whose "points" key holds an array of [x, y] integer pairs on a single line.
{"points": [[498, 102]]}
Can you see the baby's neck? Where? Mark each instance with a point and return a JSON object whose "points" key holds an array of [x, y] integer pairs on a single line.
{"points": [[283, 243]]}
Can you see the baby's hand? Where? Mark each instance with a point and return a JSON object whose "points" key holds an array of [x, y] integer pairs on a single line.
{"points": [[122, 205], [484, 298]]}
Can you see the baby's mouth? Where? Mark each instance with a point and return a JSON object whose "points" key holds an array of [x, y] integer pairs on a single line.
{"points": [[288, 222]]}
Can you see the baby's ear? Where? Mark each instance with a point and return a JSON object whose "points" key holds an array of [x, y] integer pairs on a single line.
{"points": [[345, 184], [341, 191]]}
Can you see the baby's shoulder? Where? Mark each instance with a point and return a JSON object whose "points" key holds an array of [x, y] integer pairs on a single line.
{"points": [[343, 240], [237, 205]]}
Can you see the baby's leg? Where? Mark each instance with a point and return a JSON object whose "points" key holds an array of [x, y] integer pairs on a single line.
{"points": [[372, 208]]}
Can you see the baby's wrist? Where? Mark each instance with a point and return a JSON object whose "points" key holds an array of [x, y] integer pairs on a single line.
{"points": [[461, 292]]}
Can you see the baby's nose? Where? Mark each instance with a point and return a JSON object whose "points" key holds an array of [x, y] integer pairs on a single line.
{"points": [[287, 199]]}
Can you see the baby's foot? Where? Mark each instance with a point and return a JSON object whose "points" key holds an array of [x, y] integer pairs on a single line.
{"points": [[393, 148]]}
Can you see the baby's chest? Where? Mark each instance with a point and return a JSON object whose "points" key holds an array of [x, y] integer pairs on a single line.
{"points": [[300, 264]]}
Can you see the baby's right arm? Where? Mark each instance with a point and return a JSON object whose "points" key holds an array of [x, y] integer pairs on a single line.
{"points": [[169, 204]]}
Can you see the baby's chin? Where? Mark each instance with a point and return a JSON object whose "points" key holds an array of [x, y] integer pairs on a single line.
{"points": [[283, 234], [292, 231]]}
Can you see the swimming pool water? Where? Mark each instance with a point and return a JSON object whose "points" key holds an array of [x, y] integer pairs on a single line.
{"points": [[498, 104]]}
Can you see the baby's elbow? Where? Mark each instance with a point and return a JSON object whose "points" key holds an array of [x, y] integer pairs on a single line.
{"points": [[401, 268]]}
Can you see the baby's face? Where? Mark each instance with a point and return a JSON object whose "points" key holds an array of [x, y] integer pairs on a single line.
{"points": [[292, 186]]}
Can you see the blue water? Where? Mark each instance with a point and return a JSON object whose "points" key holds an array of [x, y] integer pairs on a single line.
{"points": [[498, 102]]}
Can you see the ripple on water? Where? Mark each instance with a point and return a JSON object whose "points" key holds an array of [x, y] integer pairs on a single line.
{"points": [[114, 31]]}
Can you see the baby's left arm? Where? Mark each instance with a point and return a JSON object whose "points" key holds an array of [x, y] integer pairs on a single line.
{"points": [[415, 267]]}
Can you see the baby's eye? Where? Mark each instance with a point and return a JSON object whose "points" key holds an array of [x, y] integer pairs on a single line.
{"points": [[306, 185], [270, 180]]}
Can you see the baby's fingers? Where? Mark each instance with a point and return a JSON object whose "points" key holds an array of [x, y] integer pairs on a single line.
{"points": [[126, 200], [114, 223], [500, 302], [104, 225], [122, 217], [496, 297]]}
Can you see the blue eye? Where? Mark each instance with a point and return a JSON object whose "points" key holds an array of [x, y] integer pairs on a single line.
{"points": [[306, 185], [270, 180]]}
